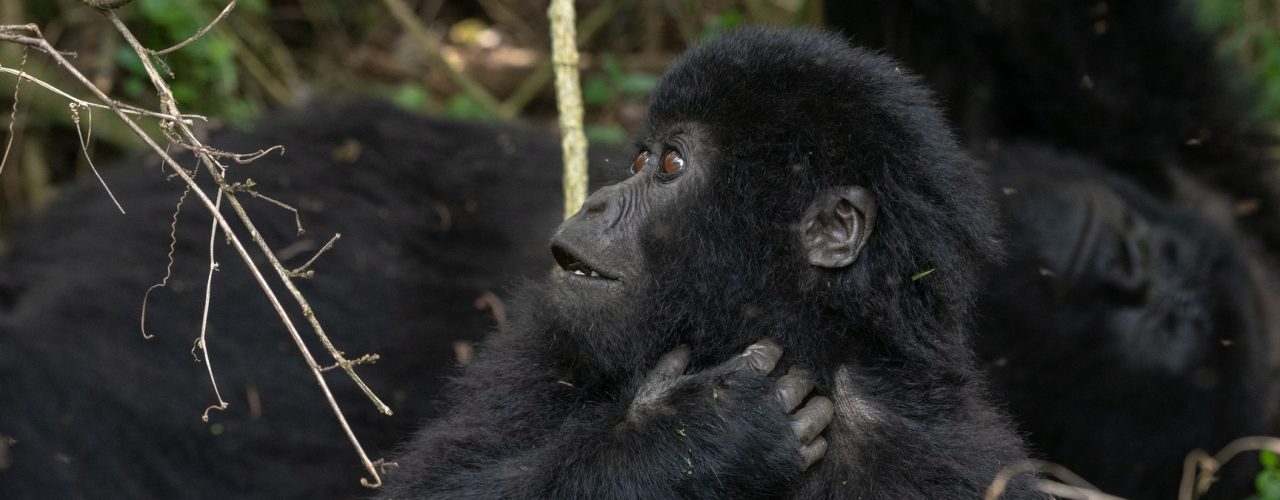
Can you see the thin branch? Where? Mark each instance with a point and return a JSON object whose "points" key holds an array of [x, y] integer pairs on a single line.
{"points": [[225, 10], [168, 267], [247, 187], [10, 33], [132, 110], [13, 113], [352, 363], [202, 341], [303, 271], [564, 54], [168, 103], [84, 146]]}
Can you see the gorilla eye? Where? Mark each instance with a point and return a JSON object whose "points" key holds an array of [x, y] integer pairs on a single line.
{"points": [[641, 161], [672, 163]]}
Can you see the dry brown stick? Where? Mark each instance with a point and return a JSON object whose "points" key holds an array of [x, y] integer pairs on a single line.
{"points": [[573, 141], [405, 16], [168, 103]]}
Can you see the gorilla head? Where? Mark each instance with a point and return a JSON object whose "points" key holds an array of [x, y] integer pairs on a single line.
{"points": [[786, 187], [781, 181], [1118, 312]]}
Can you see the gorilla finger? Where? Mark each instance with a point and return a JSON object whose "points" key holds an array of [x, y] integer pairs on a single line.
{"points": [[812, 419], [813, 452], [670, 365], [761, 356], [792, 388]]}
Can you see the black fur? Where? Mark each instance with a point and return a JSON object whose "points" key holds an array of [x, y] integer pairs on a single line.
{"points": [[433, 214], [1124, 331], [1123, 101], [543, 411]]}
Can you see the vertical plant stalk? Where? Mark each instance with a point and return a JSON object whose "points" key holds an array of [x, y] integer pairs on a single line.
{"points": [[573, 141]]}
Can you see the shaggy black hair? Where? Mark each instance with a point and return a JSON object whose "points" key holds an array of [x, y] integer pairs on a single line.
{"points": [[786, 114]]}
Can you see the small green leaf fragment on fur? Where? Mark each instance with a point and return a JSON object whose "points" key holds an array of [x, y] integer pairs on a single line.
{"points": [[921, 274]]}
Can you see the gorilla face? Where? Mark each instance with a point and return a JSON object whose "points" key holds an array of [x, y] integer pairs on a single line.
{"points": [[1148, 277], [598, 249], [1124, 330]]}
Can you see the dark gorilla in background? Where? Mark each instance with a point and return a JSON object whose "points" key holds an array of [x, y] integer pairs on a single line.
{"points": [[433, 214], [1124, 331], [1134, 319], [787, 188]]}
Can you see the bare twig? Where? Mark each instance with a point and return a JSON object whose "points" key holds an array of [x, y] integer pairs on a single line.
{"points": [[367, 359], [168, 267], [84, 147], [573, 140], [202, 341], [1072, 485], [13, 113], [303, 271], [225, 10], [12, 33], [169, 104], [132, 110], [247, 187]]}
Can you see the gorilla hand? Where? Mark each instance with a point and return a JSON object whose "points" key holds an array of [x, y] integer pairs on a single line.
{"points": [[738, 387]]}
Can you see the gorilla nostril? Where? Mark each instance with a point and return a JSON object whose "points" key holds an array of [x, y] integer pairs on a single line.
{"points": [[604, 206]]}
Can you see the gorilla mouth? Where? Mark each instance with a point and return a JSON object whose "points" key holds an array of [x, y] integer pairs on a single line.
{"points": [[573, 264]]}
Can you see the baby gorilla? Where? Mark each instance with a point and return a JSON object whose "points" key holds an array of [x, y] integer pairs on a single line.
{"points": [[787, 188]]}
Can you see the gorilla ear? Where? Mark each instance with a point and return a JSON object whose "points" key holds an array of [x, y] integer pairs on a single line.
{"points": [[837, 225]]}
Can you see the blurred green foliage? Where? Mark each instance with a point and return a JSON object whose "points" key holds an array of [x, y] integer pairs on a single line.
{"points": [[1268, 481], [206, 74], [1249, 32]]}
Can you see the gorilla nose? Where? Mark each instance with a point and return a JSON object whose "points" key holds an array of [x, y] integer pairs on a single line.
{"points": [[605, 206]]}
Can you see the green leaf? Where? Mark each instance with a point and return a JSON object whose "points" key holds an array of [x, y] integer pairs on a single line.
{"points": [[1269, 459], [922, 274]]}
